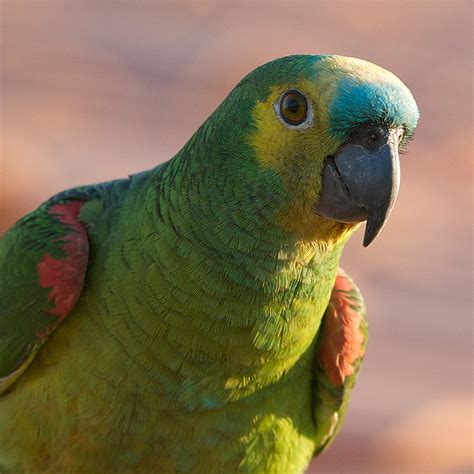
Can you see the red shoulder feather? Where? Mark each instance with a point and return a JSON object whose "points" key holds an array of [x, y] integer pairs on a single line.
{"points": [[65, 276], [342, 340]]}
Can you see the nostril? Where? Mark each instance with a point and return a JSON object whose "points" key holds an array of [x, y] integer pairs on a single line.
{"points": [[373, 136]]}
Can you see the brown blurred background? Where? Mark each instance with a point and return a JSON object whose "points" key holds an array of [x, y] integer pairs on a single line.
{"points": [[94, 91]]}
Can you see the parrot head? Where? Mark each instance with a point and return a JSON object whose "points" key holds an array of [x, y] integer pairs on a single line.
{"points": [[329, 129]]}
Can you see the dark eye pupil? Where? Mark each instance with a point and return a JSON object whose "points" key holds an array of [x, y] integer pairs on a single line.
{"points": [[293, 107]]}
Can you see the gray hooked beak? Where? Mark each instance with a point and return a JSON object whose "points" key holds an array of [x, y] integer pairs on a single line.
{"points": [[361, 181]]}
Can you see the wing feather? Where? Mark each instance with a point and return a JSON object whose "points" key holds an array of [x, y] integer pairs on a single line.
{"points": [[43, 262], [340, 350]]}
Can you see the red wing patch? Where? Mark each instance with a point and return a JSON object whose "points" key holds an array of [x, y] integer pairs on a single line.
{"points": [[65, 276], [342, 340]]}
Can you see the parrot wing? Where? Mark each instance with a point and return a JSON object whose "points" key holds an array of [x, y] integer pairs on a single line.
{"points": [[340, 350], [43, 262]]}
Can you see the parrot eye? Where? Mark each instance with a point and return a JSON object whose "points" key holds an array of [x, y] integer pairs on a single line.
{"points": [[293, 110]]}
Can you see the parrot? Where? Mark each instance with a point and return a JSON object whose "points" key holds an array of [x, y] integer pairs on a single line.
{"points": [[193, 318]]}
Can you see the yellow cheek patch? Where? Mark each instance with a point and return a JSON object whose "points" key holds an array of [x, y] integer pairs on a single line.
{"points": [[274, 142], [297, 155]]}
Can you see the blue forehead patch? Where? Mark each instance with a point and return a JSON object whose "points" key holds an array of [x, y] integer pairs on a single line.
{"points": [[385, 102]]}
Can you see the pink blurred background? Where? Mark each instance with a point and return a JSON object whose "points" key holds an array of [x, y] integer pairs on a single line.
{"points": [[94, 91]]}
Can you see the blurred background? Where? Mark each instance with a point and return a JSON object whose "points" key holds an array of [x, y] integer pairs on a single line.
{"points": [[94, 91]]}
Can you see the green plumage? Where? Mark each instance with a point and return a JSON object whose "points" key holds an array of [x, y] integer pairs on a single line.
{"points": [[194, 344]]}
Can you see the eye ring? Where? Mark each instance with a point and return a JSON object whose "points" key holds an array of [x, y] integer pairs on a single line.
{"points": [[294, 110]]}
